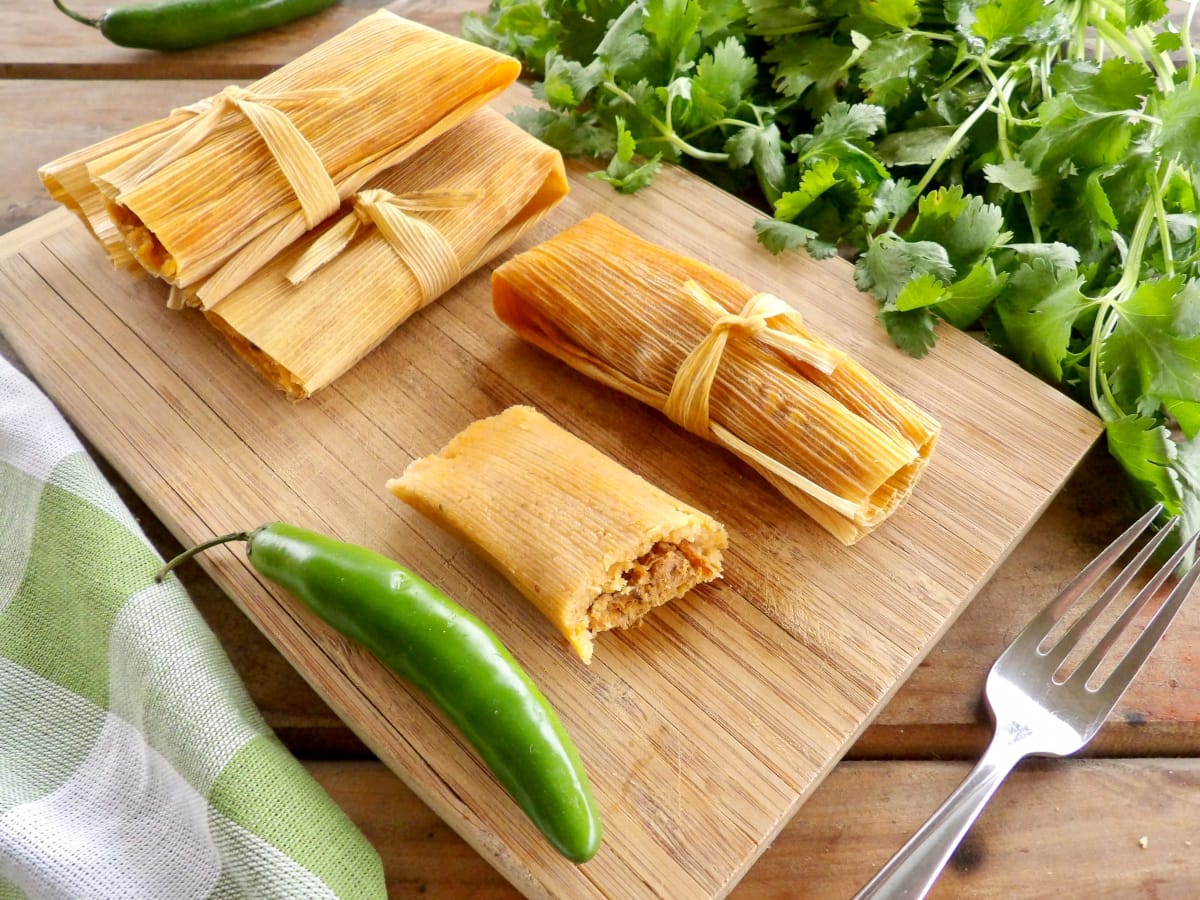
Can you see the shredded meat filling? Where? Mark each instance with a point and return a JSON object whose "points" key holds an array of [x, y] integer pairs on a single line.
{"points": [[664, 573]]}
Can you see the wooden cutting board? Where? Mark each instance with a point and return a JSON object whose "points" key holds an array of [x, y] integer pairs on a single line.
{"points": [[704, 729]]}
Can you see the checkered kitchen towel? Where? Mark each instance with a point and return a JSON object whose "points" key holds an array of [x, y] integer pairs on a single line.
{"points": [[132, 762]]}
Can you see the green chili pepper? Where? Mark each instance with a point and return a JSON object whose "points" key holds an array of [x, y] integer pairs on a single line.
{"points": [[184, 24], [449, 654]]}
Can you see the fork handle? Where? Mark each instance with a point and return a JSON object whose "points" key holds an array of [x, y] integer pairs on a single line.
{"points": [[916, 866]]}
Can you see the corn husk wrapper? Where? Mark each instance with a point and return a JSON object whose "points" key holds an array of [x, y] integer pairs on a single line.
{"points": [[68, 182], [209, 201], [589, 543], [415, 231], [734, 366]]}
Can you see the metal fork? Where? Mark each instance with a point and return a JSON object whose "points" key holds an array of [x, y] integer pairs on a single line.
{"points": [[1036, 710]]}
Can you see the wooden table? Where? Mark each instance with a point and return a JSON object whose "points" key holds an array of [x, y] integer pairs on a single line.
{"points": [[1120, 820]]}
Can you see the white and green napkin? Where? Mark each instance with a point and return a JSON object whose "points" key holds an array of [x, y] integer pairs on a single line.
{"points": [[132, 762]]}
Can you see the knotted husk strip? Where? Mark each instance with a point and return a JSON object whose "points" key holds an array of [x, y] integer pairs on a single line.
{"points": [[216, 212], [589, 543], [477, 188], [835, 440]]}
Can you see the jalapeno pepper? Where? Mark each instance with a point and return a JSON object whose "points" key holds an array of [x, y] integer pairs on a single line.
{"points": [[448, 653], [184, 24]]}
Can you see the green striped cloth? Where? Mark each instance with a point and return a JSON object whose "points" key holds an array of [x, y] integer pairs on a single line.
{"points": [[132, 762]]}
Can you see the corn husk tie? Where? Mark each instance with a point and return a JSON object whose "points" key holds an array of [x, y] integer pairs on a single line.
{"points": [[420, 245], [303, 169], [687, 404]]}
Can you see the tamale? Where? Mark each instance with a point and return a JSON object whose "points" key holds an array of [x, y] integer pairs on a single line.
{"points": [[588, 542], [328, 300], [735, 366], [68, 182], [207, 202]]}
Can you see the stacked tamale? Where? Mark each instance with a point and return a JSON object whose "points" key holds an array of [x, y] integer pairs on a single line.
{"points": [[384, 124]]}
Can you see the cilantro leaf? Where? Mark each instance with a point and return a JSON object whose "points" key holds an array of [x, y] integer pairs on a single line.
{"points": [[623, 173], [623, 45], [1037, 314], [1145, 450], [673, 26], [1139, 12], [1087, 119], [1179, 136], [762, 147], [966, 226], [1013, 175], [567, 82], [890, 262], [915, 146], [779, 237], [808, 61], [571, 133], [1001, 21], [1153, 353], [964, 301], [911, 331], [815, 181], [897, 13], [726, 75], [892, 65], [922, 291]]}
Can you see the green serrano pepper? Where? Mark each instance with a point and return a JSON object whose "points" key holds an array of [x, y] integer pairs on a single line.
{"points": [[448, 653], [184, 24]]}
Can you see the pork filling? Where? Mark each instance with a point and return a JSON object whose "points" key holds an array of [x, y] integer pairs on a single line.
{"points": [[666, 572]]}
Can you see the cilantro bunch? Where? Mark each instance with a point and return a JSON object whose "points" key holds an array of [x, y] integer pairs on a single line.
{"points": [[1029, 169]]}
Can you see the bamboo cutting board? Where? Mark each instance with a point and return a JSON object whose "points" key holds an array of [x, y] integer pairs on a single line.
{"points": [[704, 729]]}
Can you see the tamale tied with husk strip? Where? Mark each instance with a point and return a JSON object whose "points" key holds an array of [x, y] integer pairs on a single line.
{"points": [[414, 231], [734, 366], [591, 544], [210, 200]]}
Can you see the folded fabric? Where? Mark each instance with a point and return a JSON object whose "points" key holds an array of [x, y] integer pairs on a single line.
{"points": [[132, 761]]}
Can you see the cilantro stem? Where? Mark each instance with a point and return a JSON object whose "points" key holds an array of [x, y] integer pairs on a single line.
{"points": [[1003, 119], [1119, 39], [667, 132], [1157, 181], [1003, 85], [1189, 49], [1110, 300], [735, 123]]}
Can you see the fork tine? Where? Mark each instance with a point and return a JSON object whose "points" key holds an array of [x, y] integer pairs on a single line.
{"points": [[1060, 651], [1087, 668], [1041, 624], [1116, 683]]}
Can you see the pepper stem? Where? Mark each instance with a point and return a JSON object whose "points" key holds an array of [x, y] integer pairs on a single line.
{"points": [[189, 553], [95, 23]]}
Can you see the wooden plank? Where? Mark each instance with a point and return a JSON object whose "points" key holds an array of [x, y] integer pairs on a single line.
{"points": [[1051, 826], [706, 728], [37, 41]]}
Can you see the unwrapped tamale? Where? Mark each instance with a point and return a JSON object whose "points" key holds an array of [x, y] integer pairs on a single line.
{"points": [[735, 366], [238, 178], [417, 229], [588, 542]]}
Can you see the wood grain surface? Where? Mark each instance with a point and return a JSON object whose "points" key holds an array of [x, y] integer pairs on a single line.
{"points": [[1071, 819], [705, 728]]}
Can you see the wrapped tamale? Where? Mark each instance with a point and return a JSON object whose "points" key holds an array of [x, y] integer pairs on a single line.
{"points": [[68, 182], [735, 366], [591, 544], [208, 201], [416, 230]]}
